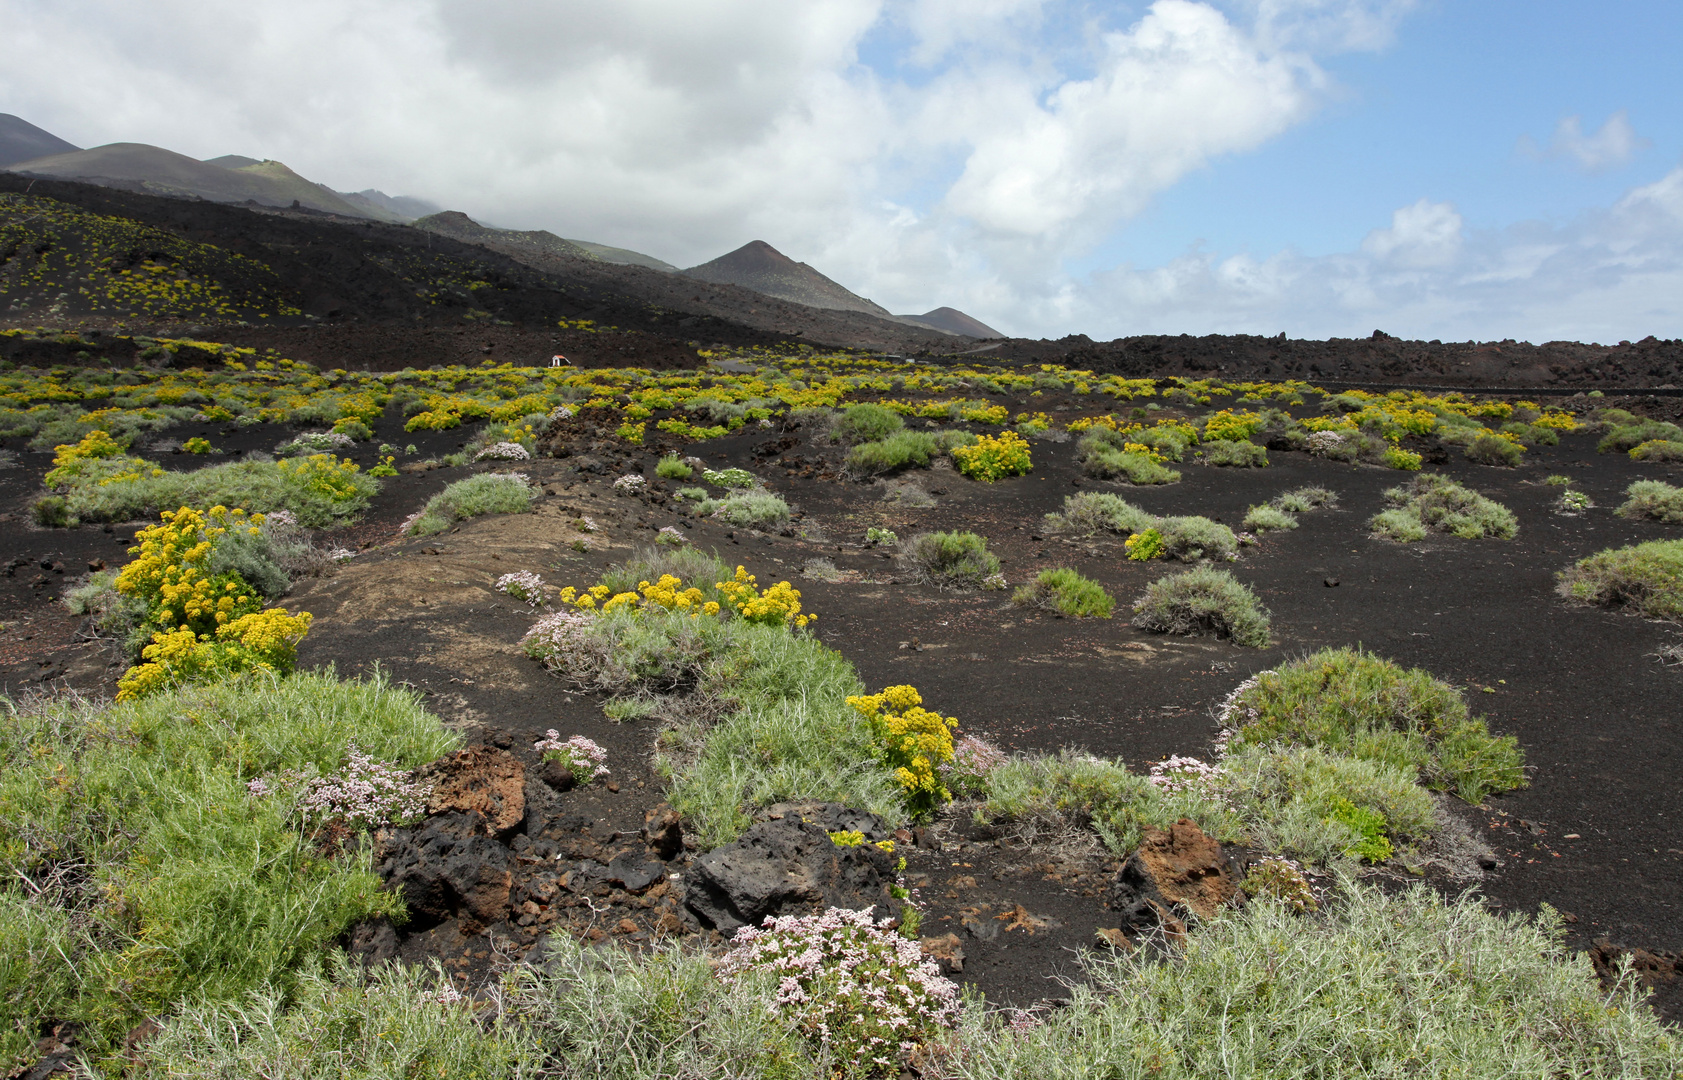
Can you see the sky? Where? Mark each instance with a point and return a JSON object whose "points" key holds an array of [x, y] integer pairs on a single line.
{"points": [[1449, 169]]}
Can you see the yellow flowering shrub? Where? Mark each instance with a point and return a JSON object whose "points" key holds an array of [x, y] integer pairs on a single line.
{"points": [[778, 605], [98, 458], [668, 593], [205, 626], [916, 743], [991, 457], [1230, 426], [324, 474]]}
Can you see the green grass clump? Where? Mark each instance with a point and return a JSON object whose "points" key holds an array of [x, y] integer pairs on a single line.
{"points": [[1266, 517], [1095, 511], [901, 450], [950, 560], [865, 423], [1351, 702], [1655, 500], [318, 490], [1658, 450], [1646, 579], [1230, 452], [1069, 592], [694, 567], [1435, 503], [1203, 602], [486, 493], [1627, 436], [188, 887], [673, 467], [1102, 455]]}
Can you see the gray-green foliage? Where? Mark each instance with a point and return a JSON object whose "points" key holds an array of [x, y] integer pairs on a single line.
{"points": [[1435, 503], [254, 484], [1094, 511], [1351, 702], [694, 567], [1203, 602], [865, 423], [1193, 537], [949, 559], [747, 509], [900, 450], [1644, 579], [1626, 436], [1231, 452], [1653, 499], [182, 884], [1489, 449], [1303, 499], [1658, 450], [1102, 454], [1267, 517], [486, 493]]}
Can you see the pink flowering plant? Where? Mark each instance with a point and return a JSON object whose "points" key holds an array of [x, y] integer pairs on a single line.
{"points": [[363, 794], [1176, 774], [865, 994], [578, 755], [974, 760], [524, 586]]}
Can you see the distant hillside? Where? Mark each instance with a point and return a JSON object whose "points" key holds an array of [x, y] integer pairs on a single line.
{"points": [[759, 266], [953, 321], [510, 242], [233, 161], [137, 166], [406, 207], [21, 141], [624, 256]]}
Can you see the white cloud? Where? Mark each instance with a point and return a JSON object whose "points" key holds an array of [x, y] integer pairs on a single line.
{"points": [[1615, 143], [1423, 234]]}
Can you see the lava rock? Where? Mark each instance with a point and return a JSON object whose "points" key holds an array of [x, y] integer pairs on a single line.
{"points": [[448, 866], [1173, 877], [482, 780], [788, 866]]}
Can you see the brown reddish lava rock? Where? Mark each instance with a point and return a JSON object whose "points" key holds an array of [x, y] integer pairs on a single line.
{"points": [[479, 780], [1175, 876]]}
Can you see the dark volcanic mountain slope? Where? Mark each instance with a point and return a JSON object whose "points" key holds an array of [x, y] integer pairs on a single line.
{"points": [[20, 141], [508, 241], [759, 266], [954, 321], [139, 167]]}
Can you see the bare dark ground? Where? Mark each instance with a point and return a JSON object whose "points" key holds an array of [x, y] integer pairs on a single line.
{"points": [[1595, 712]]}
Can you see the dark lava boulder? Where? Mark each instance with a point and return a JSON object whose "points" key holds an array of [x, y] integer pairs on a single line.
{"points": [[448, 867], [1174, 877], [788, 866]]}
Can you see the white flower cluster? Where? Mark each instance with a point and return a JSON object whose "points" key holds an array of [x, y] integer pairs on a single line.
{"points": [[524, 586], [560, 412], [340, 554], [671, 534], [284, 519], [863, 991], [503, 451], [319, 442], [630, 484], [559, 637], [1233, 714], [586, 524], [1180, 773], [578, 755], [364, 794], [1322, 441]]}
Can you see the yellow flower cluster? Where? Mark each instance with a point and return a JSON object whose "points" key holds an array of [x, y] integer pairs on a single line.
{"points": [[779, 605], [207, 625], [1229, 426], [667, 593], [916, 743], [991, 457], [323, 474]]}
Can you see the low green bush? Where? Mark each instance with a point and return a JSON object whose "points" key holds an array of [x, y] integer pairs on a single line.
{"points": [[1094, 511], [1068, 592], [318, 489], [901, 450], [747, 509], [192, 887], [1229, 452], [865, 423], [1658, 450], [1303, 499], [945, 560], [694, 567], [1653, 499], [1169, 440], [1627, 436], [1645, 579], [1191, 538], [1494, 450], [486, 493], [1435, 503], [1108, 464], [1267, 517], [1203, 602], [1351, 702], [673, 467]]}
